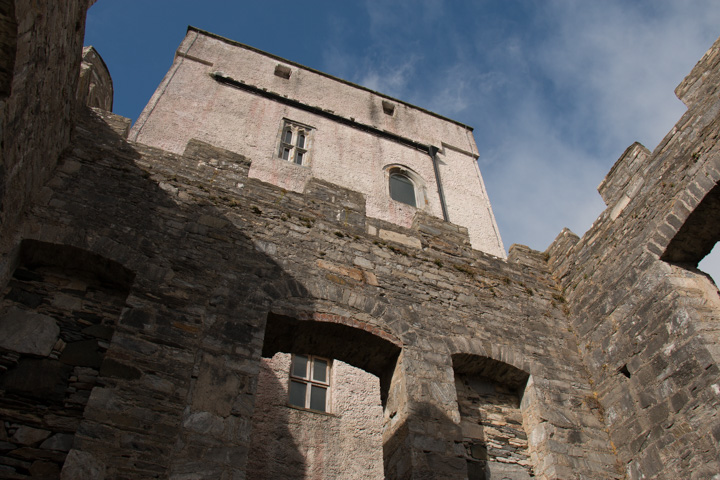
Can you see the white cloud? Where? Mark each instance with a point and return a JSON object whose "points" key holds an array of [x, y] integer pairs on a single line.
{"points": [[711, 264], [389, 79], [555, 93], [622, 61]]}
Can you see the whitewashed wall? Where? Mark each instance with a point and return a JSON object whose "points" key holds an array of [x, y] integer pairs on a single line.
{"points": [[291, 443], [189, 103]]}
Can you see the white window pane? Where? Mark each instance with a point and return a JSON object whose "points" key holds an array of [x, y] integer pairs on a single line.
{"points": [[299, 158], [301, 140], [402, 189], [298, 391], [299, 366], [320, 370], [317, 398]]}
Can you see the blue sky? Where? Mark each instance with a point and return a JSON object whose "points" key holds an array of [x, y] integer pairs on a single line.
{"points": [[555, 89]]}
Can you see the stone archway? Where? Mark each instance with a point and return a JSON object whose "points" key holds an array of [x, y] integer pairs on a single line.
{"points": [[347, 439], [698, 234]]}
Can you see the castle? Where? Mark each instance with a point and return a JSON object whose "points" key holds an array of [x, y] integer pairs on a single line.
{"points": [[275, 274]]}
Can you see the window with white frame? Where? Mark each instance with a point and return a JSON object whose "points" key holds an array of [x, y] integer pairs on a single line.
{"points": [[310, 382], [295, 142]]}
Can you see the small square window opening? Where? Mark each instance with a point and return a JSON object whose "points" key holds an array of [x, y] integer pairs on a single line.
{"points": [[388, 108], [282, 71]]}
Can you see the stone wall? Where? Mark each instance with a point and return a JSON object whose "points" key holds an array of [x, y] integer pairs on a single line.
{"points": [[491, 420], [8, 42], [155, 281], [39, 43], [645, 318], [59, 313], [215, 253]]}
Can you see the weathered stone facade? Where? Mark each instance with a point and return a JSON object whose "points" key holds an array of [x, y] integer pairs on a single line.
{"points": [[645, 318], [39, 46], [142, 287]]}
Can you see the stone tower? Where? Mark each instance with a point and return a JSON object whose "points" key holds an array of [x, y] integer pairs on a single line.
{"points": [[247, 101], [148, 276]]}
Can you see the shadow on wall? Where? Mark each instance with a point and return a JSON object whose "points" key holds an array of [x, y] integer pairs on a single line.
{"points": [[8, 46], [489, 394], [177, 383], [58, 314], [273, 450], [340, 439], [695, 240], [186, 350], [357, 424]]}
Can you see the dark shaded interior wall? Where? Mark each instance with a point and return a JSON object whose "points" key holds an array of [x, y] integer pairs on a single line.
{"points": [[59, 312], [39, 61], [8, 43]]}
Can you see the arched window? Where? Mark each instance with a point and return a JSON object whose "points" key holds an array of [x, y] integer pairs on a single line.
{"points": [[402, 189], [405, 186]]}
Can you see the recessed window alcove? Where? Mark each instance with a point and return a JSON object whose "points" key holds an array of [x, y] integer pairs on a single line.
{"points": [[345, 437], [405, 186], [489, 395]]}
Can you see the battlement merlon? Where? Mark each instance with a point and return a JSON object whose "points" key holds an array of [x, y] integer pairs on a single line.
{"points": [[703, 79], [625, 177]]}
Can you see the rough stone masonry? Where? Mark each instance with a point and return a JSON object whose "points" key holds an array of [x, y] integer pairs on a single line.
{"points": [[141, 288]]}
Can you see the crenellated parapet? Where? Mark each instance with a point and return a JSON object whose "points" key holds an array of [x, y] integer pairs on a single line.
{"points": [[644, 316]]}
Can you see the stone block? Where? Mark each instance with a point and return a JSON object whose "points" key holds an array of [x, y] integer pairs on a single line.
{"points": [[400, 238], [507, 471], [40, 378], [85, 353], [44, 469], [81, 465], [28, 332], [354, 273], [216, 387], [113, 368], [62, 442], [30, 436]]}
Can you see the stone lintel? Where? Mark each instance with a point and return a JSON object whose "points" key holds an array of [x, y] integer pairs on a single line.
{"points": [[400, 238]]}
